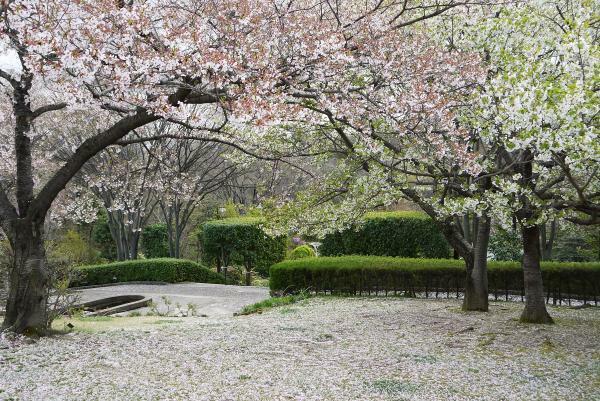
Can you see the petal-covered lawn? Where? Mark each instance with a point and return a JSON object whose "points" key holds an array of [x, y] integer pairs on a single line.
{"points": [[319, 349]]}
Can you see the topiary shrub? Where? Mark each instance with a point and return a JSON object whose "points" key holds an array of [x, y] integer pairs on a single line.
{"points": [[367, 274], [155, 241], [302, 251], [164, 269], [405, 234], [241, 241]]}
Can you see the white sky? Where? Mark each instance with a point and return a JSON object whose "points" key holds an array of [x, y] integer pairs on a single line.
{"points": [[9, 61]]}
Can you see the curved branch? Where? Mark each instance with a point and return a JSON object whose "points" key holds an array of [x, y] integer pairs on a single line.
{"points": [[88, 149], [49, 107]]}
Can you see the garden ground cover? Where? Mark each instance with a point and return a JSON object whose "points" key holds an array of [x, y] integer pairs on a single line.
{"points": [[317, 349]]}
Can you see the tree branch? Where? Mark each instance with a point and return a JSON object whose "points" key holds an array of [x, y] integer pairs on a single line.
{"points": [[49, 107], [13, 82], [86, 151]]}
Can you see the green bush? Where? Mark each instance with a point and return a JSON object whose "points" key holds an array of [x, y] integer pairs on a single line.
{"points": [[155, 241], [365, 274], [241, 241], [165, 269], [505, 245], [406, 234], [71, 249], [302, 251], [103, 239]]}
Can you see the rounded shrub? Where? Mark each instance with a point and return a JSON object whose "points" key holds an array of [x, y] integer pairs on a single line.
{"points": [[302, 251], [155, 241], [405, 234], [163, 269], [241, 241]]}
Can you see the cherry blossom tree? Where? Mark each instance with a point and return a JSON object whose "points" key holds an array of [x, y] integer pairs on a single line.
{"points": [[391, 125], [134, 63], [189, 172], [511, 133], [124, 179], [539, 109], [112, 59]]}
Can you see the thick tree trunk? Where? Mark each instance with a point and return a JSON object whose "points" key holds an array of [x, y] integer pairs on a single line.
{"points": [[535, 305], [547, 239], [476, 285], [26, 307]]}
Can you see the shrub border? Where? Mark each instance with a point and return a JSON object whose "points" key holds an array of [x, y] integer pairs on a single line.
{"points": [[365, 275]]}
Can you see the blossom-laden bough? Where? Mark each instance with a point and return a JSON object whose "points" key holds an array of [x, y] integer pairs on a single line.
{"points": [[505, 129], [121, 65]]}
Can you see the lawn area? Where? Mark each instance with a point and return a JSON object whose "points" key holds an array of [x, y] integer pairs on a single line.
{"points": [[315, 349]]}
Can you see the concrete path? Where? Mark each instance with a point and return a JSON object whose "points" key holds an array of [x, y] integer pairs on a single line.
{"points": [[209, 299]]}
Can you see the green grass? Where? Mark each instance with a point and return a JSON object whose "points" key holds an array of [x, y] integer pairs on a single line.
{"points": [[394, 387], [97, 324], [274, 302]]}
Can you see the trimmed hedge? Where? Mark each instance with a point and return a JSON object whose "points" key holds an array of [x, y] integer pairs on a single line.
{"points": [[405, 234], [164, 269], [241, 241], [302, 251], [155, 241], [366, 274]]}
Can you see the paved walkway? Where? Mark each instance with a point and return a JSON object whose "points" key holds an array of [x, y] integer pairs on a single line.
{"points": [[209, 299]]}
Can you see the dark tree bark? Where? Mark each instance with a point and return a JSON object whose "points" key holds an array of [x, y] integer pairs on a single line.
{"points": [[547, 239], [476, 284], [29, 278], [475, 256], [535, 304]]}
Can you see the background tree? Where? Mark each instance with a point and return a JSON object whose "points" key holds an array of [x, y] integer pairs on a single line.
{"points": [[124, 179], [189, 171]]}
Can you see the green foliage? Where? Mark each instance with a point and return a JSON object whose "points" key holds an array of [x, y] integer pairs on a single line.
{"points": [[234, 276], [363, 274], [505, 245], [406, 234], [231, 210], [241, 241], [155, 241], [103, 239], [71, 249], [302, 251], [274, 302], [165, 269], [578, 244]]}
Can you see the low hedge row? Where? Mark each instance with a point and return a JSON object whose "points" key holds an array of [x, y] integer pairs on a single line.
{"points": [[163, 269], [366, 274], [405, 234]]}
